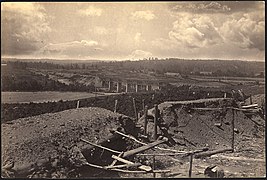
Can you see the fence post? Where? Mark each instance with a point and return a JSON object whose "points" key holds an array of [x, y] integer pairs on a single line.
{"points": [[154, 166], [155, 122], [145, 120], [250, 98], [143, 103], [233, 130], [78, 104], [190, 165], [115, 108], [135, 111]]}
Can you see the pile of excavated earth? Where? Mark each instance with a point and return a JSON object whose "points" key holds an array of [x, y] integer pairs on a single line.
{"points": [[52, 142], [205, 123]]}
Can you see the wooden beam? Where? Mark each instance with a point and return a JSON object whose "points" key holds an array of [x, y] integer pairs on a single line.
{"points": [[128, 136], [136, 140], [209, 153], [143, 148], [250, 106], [115, 161], [102, 147], [127, 171], [124, 165], [142, 167]]}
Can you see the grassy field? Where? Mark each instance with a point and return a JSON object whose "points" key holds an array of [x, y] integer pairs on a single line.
{"points": [[234, 80], [26, 97]]}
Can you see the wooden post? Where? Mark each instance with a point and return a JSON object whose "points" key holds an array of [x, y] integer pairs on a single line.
{"points": [[135, 111], [250, 98], [233, 130], [143, 103], [155, 122], [109, 85], [127, 87], [78, 104], [225, 95], [190, 165], [138, 115], [154, 167], [115, 108], [145, 121]]}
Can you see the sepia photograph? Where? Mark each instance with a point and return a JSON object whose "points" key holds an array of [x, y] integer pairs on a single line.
{"points": [[133, 89]]}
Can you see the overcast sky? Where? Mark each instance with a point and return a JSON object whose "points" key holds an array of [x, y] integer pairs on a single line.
{"points": [[196, 30]]}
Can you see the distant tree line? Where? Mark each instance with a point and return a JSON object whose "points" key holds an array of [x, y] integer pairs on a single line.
{"points": [[160, 66], [17, 77], [189, 67], [47, 65]]}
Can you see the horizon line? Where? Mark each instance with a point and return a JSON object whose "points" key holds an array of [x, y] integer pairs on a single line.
{"points": [[120, 60]]}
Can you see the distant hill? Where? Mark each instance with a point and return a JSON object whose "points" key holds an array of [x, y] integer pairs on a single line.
{"points": [[56, 61], [196, 67], [174, 65]]}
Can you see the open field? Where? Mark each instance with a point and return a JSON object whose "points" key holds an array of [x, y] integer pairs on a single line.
{"points": [[230, 80], [46, 96]]}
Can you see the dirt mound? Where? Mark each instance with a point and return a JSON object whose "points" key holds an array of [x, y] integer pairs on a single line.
{"points": [[52, 135], [196, 128], [257, 99]]}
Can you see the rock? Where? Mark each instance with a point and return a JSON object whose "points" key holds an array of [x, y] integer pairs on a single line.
{"points": [[214, 171]]}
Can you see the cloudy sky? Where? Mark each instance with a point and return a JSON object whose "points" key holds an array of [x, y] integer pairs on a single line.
{"points": [[191, 30]]}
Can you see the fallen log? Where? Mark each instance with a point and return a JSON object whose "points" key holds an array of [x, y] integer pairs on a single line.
{"points": [[209, 153]]}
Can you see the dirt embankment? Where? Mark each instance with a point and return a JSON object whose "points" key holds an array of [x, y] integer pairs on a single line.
{"points": [[125, 103], [56, 136], [195, 128]]}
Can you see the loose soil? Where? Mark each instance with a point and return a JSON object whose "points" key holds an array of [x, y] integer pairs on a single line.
{"points": [[57, 135]]}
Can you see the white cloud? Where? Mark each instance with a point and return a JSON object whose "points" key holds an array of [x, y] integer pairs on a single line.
{"points": [[81, 48], [246, 31], [139, 54], [147, 15], [24, 27], [195, 31], [91, 11], [199, 7]]}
